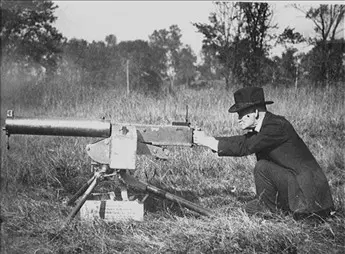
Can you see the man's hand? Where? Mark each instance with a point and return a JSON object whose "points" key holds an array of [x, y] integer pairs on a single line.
{"points": [[200, 138]]}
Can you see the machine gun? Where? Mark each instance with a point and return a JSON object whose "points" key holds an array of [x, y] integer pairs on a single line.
{"points": [[115, 155]]}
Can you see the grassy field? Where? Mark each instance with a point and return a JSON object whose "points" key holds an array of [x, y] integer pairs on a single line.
{"points": [[38, 173]]}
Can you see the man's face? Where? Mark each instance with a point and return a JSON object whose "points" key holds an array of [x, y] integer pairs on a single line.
{"points": [[246, 118]]}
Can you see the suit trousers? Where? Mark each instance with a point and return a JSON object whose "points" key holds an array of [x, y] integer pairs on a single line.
{"points": [[271, 181]]}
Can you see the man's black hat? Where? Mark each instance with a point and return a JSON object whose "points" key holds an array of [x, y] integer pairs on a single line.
{"points": [[247, 97]]}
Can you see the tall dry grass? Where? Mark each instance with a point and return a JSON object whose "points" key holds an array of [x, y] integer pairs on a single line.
{"points": [[38, 173]]}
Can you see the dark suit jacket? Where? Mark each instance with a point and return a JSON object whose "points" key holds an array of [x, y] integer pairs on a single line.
{"points": [[278, 142]]}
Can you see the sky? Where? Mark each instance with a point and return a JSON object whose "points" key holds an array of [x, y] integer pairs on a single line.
{"points": [[132, 20]]}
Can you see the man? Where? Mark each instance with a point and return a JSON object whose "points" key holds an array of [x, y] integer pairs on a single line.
{"points": [[287, 176]]}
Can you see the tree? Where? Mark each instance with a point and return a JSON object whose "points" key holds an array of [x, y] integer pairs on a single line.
{"points": [[219, 36], [97, 63], [186, 69], [27, 33], [289, 64], [289, 36], [74, 59], [111, 40], [315, 61], [256, 23], [327, 21], [144, 68], [166, 45], [115, 65], [237, 37], [210, 67], [76, 50]]}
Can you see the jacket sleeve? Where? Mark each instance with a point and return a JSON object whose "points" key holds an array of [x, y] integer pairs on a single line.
{"points": [[271, 135]]}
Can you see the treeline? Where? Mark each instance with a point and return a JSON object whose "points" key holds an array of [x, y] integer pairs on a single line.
{"points": [[236, 49], [161, 62], [239, 38]]}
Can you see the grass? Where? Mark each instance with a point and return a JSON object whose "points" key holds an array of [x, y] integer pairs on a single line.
{"points": [[38, 173]]}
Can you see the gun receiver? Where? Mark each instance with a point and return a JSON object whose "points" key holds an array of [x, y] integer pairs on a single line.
{"points": [[116, 152]]}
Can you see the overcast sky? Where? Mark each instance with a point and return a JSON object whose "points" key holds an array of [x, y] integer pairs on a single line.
{"points": [[131, 20]]}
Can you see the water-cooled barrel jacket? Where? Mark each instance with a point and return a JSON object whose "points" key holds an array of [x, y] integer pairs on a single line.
{"points": [[278, 142]]}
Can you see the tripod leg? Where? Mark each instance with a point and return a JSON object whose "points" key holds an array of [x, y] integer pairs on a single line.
{"points": [[82, 201], [159, 192], [80, 191]]}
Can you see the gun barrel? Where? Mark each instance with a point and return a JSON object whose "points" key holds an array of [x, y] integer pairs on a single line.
{"points": [[77, 128]]}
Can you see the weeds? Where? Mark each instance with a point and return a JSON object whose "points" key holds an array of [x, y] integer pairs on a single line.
{"points": [[38, 173]]}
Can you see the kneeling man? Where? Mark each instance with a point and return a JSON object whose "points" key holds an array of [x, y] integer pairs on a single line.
{"points": [[287, 176]]}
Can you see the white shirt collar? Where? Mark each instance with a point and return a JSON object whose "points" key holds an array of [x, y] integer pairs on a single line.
{"points": [[258, 126]]}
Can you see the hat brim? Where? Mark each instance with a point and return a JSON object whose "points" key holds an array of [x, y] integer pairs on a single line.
{"points": [[241, 106]]}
